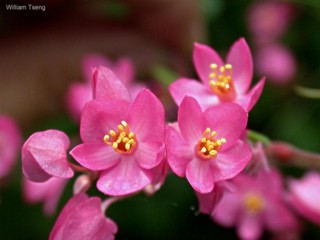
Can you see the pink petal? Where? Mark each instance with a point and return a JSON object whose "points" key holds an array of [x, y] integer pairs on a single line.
{"points": [[229, 120], [107, 86], [46, 151], [279, 218], [240, 58], [149, 154], [125, 178], [231, 162], [250, 227], [91, 61], [10, 142], [83, 219], [68, 208], [209, 201], [125, 71], [95, 156], [190, 119], [274, 188], [249, 100], [305, 196], [179, 152], [227, 211], [31, 168], [203, 57], [188, 87], [200, 175], [78, 94], [99, 117], [48, 192], [146, 117]]}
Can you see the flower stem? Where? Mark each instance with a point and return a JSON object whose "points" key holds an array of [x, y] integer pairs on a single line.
{"points": [[258, 137], [287, 154], [307, 92]]}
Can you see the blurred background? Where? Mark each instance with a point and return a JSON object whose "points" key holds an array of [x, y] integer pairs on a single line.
{"points": [[42, 52]]}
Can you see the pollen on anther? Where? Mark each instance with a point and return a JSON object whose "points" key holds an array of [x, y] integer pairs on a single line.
{"points": [[112, 133], [127, 146], [213, 65], [124, 123], [213, 152], [106, 138], [115, 145], [203, 150]]}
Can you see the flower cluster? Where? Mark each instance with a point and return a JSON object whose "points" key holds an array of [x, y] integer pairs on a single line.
{"points": [[127, 147]]}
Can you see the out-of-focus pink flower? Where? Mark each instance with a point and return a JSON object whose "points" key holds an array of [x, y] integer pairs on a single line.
{"points": [[305, 196], [48, 193], [82, 218], [268, 20], [257, 204], [221, 82], [277, 63], [44, 155], [10, 143], [80, 93], [125, 141], [205, 146]]}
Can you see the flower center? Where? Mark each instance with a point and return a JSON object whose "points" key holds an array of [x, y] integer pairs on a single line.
{"points": [[221, 82], [208, 147], [123, 141], [253, 203]]}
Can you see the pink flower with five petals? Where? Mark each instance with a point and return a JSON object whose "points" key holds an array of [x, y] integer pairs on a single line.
{"points": [[205, 146], [258, 203], [221, 82], [125, 141]]}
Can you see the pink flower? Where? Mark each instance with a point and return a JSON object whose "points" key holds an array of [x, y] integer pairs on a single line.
{"points": [[48, 193], [125, 141], [205, 146], [44, 156], [80, 93], [268, 20], [82, 218], [10, 142], [305, 196], [277, 63], [257, 204], [221, 82]]}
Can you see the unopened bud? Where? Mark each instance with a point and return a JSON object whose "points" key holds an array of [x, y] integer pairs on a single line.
{"points": [[82, 184]]}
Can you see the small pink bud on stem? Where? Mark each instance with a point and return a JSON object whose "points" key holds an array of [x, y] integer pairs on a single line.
{"points": [[285, 153], [82, 184]]}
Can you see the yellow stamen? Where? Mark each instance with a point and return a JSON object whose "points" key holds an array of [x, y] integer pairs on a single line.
{"points": [[123, 141], [221, 82], [208, 147], [253, 203]]}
